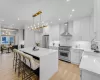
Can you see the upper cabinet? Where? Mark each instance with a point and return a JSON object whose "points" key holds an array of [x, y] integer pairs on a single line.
{"points": [[83, 29], [54, 33], [76, 30]]}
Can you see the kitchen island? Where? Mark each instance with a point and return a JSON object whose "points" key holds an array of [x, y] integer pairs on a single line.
{"points": [[90, 66], [48, 61]]}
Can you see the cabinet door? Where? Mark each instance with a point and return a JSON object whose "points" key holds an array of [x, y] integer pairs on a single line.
{"points": [[87, 75], [85, 29], [80, 55], [75, 56]]}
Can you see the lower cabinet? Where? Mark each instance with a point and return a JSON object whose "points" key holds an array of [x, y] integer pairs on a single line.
{"points": [[87, 75], [76, 55]]}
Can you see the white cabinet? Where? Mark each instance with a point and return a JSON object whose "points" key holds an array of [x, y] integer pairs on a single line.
{"points": [[76, 56], [87, 75], [83, 29]]}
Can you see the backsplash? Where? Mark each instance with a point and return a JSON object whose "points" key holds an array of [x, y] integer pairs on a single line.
{"points": [[86, 45]]}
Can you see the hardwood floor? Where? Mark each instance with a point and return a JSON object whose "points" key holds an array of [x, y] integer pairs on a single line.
{"points": [[66, 71]]}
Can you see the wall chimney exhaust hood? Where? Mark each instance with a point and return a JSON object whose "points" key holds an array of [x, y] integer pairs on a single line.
{"points": [[66, 32]]}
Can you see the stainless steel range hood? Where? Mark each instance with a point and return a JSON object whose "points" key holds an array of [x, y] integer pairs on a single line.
{"points": [[66, 32]]}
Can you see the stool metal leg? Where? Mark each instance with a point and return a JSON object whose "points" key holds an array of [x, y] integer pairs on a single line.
{"points": [[19, 66], [16, 62]]}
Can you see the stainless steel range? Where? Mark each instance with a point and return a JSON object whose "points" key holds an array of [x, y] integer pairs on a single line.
{"points": [[64, 53]]}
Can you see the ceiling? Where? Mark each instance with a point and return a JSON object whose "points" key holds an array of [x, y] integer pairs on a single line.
{"points": [[18, 13]]}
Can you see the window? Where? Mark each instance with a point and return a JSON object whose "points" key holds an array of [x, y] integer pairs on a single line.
{"points": [[7, 39]]}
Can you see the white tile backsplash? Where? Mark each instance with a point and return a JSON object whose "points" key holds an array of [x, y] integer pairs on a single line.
{"points": [[86, 45]]}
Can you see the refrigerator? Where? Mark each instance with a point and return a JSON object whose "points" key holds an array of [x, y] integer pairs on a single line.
{"points": [[45, 41]]}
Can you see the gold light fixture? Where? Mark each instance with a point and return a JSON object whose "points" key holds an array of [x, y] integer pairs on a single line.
{"points": [[38, 13], [40, 24]]}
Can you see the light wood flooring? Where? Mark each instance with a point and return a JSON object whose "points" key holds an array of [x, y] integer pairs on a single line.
{"points": [[66, 71]]}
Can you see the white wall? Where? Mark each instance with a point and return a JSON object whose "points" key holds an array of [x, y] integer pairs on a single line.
{"points": [[29, 37], [16, 38], [19, 38], [37, 37]]}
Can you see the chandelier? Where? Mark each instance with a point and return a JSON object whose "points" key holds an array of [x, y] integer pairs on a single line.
{"points": [[40, 24]]}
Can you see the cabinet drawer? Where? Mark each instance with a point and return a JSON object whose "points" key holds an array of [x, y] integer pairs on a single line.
{"points": [[76, 50]]}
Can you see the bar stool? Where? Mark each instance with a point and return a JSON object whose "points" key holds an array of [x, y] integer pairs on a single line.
{"points": [[15, 59], [27, 66]]}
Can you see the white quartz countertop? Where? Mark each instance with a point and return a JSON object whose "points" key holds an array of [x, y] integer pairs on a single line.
{"points": [[88, 50], [77, 48], [41, 52], [91, 62]]}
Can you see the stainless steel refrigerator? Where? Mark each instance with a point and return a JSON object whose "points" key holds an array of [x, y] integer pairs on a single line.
{"points": [[45, 41]]}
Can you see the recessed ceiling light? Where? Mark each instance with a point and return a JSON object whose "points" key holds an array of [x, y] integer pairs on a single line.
{"points": [[73, 10], [3, 33], [18, 18], [42, 22], [70, 15], [46, 23], [34, 25], [28, 27], [2, 20], [51, 21], [67, 0], [59, 19]]}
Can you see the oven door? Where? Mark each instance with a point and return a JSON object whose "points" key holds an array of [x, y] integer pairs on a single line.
{"points": [[64, 55]]}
